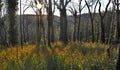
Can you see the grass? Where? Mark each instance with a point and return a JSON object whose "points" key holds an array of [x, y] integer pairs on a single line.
{"points": [[73, 56]]}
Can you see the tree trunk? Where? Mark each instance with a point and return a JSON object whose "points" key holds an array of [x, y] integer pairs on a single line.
{"points": [[75, 26], [92, 27], [102, 31], [37, 32], [118, 61], [12, 31], [118, 34], [63, 26], [50, 24], [78, 33]]}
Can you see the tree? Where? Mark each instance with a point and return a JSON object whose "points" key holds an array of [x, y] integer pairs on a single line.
{"points": [[21, 35], [117, 4], [73, 10], [92, 15], [40, 29], [61, 5], [12, 31], [50, 12], [0, 22], [80, 10], [102, 15]]}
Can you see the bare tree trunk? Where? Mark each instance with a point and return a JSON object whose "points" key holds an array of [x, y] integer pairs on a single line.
{"points": [[78, 33], [50, 24], [38, 31], [118, 33], [21, 36], [102, 31], [102, 15], [63, 19], [63, 26], [75, 26]]}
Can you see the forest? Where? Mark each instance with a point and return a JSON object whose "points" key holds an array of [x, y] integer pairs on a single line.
{"points": [[59, 34]]}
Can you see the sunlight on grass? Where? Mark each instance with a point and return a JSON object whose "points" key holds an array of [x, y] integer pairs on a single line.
{"points": [[74, 56]]}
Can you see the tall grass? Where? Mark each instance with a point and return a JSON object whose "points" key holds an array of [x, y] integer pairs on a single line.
{"points": [[74, 56]]}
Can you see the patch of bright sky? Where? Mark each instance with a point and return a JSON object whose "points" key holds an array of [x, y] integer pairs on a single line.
{"points": [[85, 10]]}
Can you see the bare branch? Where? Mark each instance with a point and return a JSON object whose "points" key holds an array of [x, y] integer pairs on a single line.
{"points": [[96, 6], [107, 7], [100, 8], [67, 1], [83, 7], [58, 6], [88, 7]]}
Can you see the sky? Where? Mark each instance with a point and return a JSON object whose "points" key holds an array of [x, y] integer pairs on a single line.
{"points": [[85, 10]]}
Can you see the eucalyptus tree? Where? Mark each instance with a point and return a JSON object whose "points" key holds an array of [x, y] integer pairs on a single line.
{"points": [[61, 5]]}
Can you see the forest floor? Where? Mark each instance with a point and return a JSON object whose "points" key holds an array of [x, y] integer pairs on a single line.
{"points": [[73, 56]]}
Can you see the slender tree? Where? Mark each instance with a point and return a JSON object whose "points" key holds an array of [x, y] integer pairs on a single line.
{"points": [[50, 11], [102, 16], [21, 35], [73, 10], [92, 15], [80, 10], [117, 4]]}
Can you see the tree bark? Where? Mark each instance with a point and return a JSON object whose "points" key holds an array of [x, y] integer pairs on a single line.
{"points": [[102, 31], [63, 26]]}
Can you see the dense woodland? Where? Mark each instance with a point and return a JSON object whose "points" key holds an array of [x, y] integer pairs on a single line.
{"points": [[99, 25]]}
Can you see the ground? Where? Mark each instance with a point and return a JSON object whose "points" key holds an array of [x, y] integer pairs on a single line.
{"points": [[73, 56]]}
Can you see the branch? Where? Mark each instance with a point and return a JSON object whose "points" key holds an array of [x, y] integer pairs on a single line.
{"points": [[80, 9], [34, 10], [67, 1], [46, 5], [54, 9], [106, 8], [96, 6], [71, 10], [88, 7], [83, 7], [58, 6], [35, 1], [100, 8]]}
